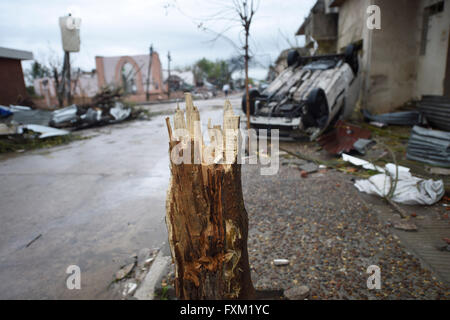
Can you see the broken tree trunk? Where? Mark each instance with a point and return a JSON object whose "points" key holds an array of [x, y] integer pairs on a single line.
{"points": [[206, 218]]}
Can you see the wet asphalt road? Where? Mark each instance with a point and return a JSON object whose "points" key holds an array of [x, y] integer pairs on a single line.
{"points": [[94, 202]]}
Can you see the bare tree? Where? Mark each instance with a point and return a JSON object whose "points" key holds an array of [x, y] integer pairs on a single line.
{"points": [[56, 65], [235, 13], [246, 10]]}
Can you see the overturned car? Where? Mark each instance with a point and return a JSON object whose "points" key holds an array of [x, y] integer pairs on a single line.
{"points": [[308, 96]]}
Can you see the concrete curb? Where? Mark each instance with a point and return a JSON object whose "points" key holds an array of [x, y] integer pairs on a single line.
{"points": [[146, 290]]}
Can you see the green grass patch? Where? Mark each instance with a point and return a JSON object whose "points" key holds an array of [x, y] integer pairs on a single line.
{"points": [[17, 143]]}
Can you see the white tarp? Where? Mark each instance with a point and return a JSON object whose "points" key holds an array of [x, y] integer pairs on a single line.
{"points": [[409, 189]]}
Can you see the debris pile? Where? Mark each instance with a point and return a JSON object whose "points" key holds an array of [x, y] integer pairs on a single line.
{"points": [[106, 107], [19, 123]]}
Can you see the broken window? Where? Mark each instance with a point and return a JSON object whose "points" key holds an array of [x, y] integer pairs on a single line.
{"points": [[436, 8]]}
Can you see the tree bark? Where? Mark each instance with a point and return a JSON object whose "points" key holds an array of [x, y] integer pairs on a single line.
{"points": [[205, 213]]}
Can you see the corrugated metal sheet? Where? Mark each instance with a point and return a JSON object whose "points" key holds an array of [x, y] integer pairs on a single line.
{"points": [[436, 110], [404, 118], [41, 117], [429, 146]]}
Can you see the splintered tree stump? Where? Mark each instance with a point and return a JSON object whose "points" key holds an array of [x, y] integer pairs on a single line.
{"points": [[206, 217]]}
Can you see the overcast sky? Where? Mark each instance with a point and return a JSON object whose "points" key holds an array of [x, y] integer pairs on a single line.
{"points": [[111, 28]]}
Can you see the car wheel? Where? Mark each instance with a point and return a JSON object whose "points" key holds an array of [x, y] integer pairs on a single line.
{"points": [[253, 94], [293, 58], [316, 109], [351, 57]]}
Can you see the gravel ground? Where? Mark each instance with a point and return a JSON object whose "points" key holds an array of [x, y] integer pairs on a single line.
{"points": [[330, 236]]}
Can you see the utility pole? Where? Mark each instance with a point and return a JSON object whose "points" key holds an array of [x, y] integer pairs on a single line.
{"points": [[70, 35], [168, 77], [68, 80], [147, 93]]}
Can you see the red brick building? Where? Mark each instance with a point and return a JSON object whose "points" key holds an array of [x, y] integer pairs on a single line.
{"points": [[12, 82]]}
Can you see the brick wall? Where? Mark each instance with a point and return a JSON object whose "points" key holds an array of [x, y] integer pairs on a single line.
{"points": [[12, 83]]}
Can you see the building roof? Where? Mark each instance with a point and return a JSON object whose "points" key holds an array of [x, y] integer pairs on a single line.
{"points": [[15, 54], [301, 30], [319, 7]]}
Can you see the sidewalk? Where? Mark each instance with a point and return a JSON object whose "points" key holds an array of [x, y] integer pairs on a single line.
{"points": [[331, 233]]}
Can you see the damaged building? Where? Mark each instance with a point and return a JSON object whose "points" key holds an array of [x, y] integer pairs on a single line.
{"points": [[129, 72], [12, 84], [407, 58]]}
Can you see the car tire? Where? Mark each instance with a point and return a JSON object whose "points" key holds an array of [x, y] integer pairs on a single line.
{"points": [[253, 94], [316, 109], [293, 58], [351, 57]]}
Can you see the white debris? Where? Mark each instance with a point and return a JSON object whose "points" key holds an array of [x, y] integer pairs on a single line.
{"points": [[361, 163], [14, 108], [119, 112], [44, 131], [409, 189], [65, 114], [129, 289], [378, 124], [281, 262]]}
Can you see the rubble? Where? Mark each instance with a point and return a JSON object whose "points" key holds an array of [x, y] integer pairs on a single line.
{"points": [[44, 131], [22, 121], [124, 271], [7, 130], [361, 145], [297, 293], [129, 277], [39, 117], [106, 107], [67, 114], [343, 138]]}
